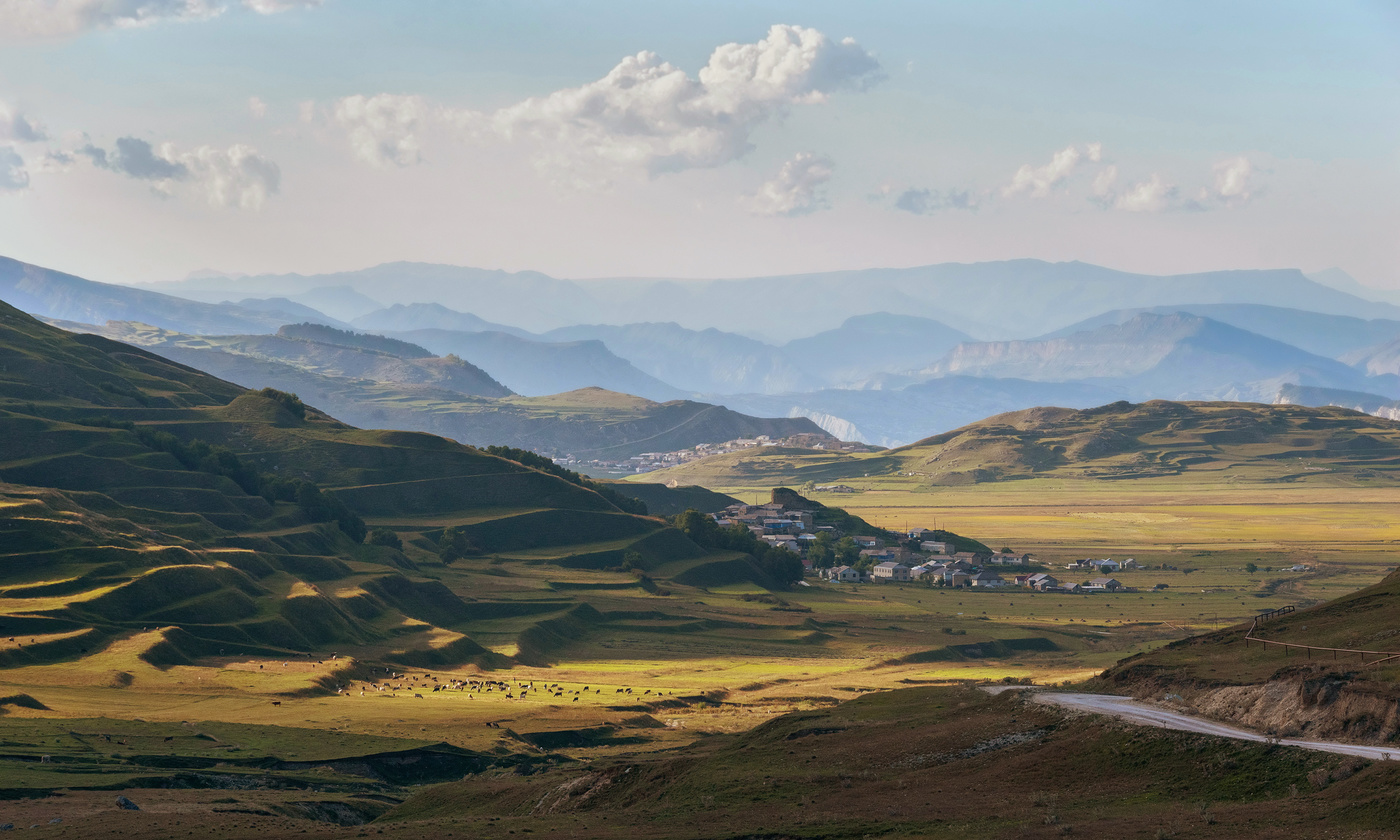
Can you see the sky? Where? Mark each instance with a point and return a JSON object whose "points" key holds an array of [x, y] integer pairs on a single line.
{"points": [[141, 140]]}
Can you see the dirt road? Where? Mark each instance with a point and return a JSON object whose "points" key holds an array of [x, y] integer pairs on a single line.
{"points": [[1147, 714]]}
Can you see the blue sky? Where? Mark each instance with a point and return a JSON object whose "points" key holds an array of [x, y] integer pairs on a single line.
{"points": [[143, 139]]}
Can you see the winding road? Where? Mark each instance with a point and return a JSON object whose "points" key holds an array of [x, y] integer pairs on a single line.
{"points": [[1146, 714]]}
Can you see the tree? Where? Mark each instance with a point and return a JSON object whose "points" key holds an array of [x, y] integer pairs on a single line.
{"points": [[453, 544], [1251, 568], [822, 551], [847, 552], [385, 537]]}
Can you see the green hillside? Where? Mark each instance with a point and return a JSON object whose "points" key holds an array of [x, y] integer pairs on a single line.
{"points": [[1241, 441], [378, 382], [143, 500]]}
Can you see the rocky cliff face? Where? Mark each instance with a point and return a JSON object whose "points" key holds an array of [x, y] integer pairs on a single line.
{"points": [[1318, 701]]}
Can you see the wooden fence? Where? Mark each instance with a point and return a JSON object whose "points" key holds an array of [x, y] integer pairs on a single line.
{"points": [[1385, 655]]}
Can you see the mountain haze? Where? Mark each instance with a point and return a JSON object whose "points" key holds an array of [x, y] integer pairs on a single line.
{"points": [[1162, 356], [1009, 299], [53, 294]]}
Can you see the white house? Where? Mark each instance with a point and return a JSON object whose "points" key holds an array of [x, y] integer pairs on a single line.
{"points": [[891, 571]]}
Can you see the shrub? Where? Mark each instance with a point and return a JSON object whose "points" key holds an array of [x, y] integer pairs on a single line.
{"points": [[385, 537]]}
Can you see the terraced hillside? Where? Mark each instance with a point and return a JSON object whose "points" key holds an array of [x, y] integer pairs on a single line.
{"points": [[150, 507], [1238, 441]]}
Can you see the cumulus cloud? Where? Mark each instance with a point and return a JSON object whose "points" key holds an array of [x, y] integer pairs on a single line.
{"points": [[257, 108], [1231, 183], [1104, 182], [649, 114], [646, 115], [383, 130], [1039, 181], [927, 202], [13, 175], [796, 191], [59, 18], [1150, 196], [18, 128], [236, 177]]}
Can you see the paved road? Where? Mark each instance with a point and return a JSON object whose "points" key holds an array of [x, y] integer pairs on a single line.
{"points": [[1147, 714]]}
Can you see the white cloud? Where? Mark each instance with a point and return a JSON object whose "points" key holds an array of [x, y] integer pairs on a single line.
{"points": [[257, 108], [650, 115], [18, 128], [21, 19], [1232, 179], [646, 115], [1151, 196], [13, 175], [1104, 181], [236, 177], [1039, 181], [383, 129], [272, 7], [927, 202], [796, 191]]}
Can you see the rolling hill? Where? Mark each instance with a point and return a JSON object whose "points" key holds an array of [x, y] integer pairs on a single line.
{"points": [[377, 382], [149, 504], [1348, 688], [1117, 441]]}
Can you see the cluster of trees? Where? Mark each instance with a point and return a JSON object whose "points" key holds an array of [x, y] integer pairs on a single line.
{"points": [[218, 460], [778, 563], [827, 552], [527, 458], [291, 402]]}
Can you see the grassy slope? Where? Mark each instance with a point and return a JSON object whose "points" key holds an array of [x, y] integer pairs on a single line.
{"points": [[452, 398], [1117, 441], [105, 536]]}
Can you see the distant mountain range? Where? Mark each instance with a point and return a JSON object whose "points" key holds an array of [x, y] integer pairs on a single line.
{"points": [[1000, 300], [880, 356]]}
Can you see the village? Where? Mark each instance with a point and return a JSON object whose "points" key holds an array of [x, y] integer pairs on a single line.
{"points": [[919, 555], [649, 461]]}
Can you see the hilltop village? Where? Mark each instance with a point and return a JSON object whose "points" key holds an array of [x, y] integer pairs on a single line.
{"points": [[649, 461], [919, 555]]}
